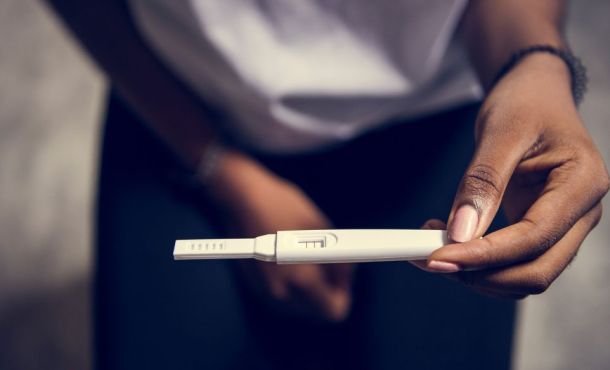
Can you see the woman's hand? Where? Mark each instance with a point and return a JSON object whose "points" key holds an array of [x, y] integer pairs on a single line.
{"points": [[257, 203], [534, 156]]}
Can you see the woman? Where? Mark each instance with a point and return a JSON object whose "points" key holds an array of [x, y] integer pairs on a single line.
{"points": [[318, 114]]}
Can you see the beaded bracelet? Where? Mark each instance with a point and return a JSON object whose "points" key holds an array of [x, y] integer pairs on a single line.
{"points": [[578, 72]]}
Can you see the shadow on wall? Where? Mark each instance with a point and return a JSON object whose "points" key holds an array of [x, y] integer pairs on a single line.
{"points": [[49, 331]]}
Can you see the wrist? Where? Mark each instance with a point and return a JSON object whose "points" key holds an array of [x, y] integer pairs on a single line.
{"points": [[557, 68], [545, 66], [235, 173]]}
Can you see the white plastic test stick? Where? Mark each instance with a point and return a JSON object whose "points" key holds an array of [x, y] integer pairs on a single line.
{"points": [[319, 246]]}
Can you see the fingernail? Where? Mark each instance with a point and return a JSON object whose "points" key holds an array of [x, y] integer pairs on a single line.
{"points": [[464, 224], [440, 266]]}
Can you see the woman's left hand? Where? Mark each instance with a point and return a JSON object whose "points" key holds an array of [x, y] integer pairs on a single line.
{"points": [[534, 156]]}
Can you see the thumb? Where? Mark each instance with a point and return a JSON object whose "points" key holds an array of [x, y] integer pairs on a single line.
{"points": [[483, 184]]}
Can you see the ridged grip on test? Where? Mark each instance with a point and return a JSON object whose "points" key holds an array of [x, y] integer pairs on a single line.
{"points": [[213, 248]]}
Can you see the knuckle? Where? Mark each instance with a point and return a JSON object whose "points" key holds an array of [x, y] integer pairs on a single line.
{"points": [[604, 184], [538, 283], [593, 167], [597, 215], [544, 235], [483, 181], [599, 182]]}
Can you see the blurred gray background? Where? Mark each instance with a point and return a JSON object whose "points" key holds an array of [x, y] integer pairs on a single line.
{"points": [[51, 104]]}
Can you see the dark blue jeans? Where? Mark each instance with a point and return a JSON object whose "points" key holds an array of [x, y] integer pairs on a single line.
{"points": [[154, 313]]}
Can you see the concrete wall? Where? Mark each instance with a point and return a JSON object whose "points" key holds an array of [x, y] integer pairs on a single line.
{"points": [[51, 101]]}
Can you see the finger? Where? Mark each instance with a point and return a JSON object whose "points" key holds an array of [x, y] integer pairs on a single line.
{"points": [[434, 224], [535, 276], [311, 285], [493, 292], [431, 224], [566, 197], [481, 189]]}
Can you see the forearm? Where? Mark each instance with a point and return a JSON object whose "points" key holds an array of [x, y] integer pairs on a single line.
{"points": [[495, 29], [105, 29]]}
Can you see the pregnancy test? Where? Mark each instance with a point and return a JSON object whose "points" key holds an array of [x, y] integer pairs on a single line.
{"points": [[318, 246]]}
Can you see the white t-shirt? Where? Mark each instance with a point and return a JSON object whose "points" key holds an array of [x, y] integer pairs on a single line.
{"points": [[298, 75]]}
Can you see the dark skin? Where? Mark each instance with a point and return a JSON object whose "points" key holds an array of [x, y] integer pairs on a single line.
{"points": [[533, 156]]}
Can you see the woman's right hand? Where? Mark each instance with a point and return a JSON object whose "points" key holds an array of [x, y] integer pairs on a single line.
{"points": [[258, 202]]}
